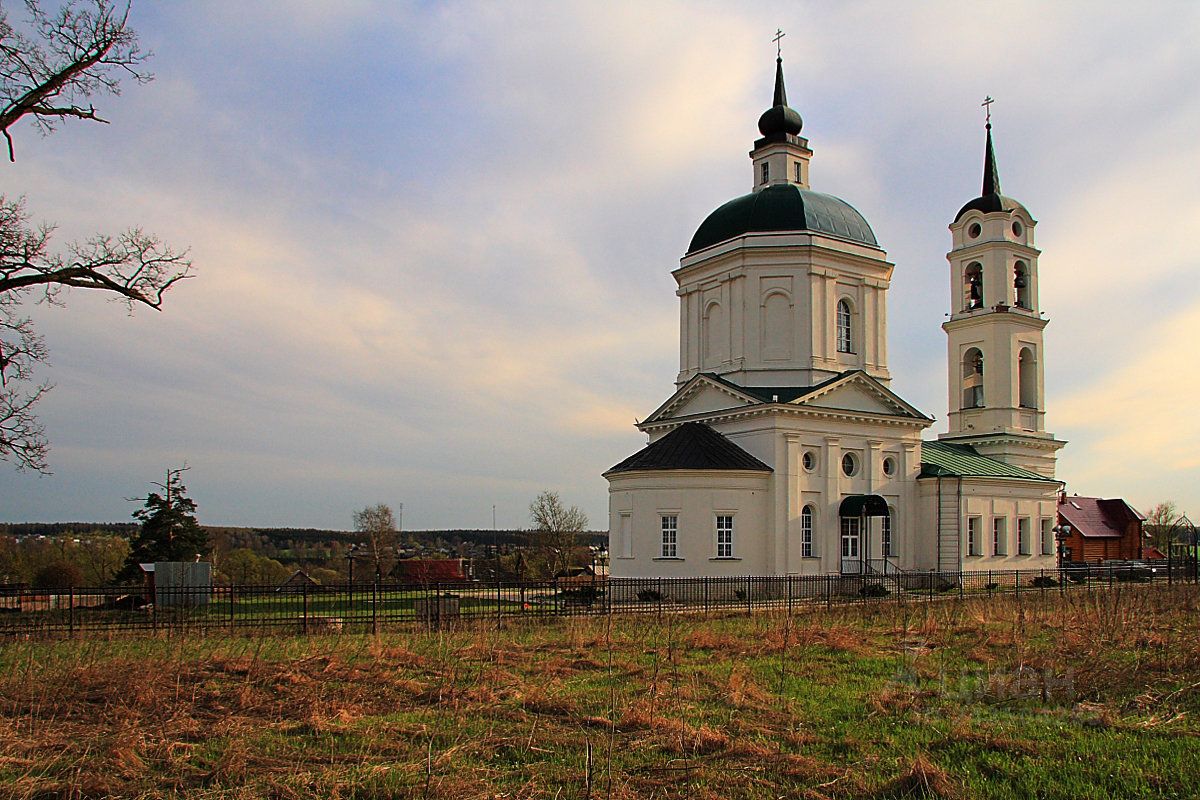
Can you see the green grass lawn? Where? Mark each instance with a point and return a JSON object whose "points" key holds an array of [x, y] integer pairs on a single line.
{"points": [[1092, 694]]}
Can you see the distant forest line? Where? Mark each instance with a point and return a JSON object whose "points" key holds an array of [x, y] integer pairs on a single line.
{"points": [[477, 536]]}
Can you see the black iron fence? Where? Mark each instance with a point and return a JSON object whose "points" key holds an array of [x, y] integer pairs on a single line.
{"points": [[357, 607]]}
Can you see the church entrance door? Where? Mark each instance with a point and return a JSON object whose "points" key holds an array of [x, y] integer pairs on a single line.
{"points": [[851, 557]]}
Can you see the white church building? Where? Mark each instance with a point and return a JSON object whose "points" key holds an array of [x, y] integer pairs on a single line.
{"points": [[784, 450]]}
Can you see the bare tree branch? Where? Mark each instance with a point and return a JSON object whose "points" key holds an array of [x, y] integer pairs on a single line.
{"points": [[81, 51], [48, 73]]}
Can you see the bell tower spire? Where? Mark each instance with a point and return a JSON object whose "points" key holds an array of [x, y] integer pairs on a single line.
{"points": [[781, 156], [994, 334]]}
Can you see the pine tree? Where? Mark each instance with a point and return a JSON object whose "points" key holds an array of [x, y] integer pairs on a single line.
{"points": [[169, 530]]}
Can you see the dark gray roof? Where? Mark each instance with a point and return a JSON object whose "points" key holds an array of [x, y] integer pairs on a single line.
{"points": [[783, 208], [691, 446]]}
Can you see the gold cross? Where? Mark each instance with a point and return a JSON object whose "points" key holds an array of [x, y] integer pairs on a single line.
{"points": [[779, 34], [987, 103]]}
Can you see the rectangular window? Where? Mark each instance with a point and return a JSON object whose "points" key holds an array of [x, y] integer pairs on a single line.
{"points": [[670, 536], [999, 536], [973, 541], [766, 172], [885, 534], [806, 533], [1023, 536], [625, 542], [799, 174], [1047, 536], [724, 536]]}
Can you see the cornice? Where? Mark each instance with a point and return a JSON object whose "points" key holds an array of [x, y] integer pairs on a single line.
{"points": [[787, 409]]}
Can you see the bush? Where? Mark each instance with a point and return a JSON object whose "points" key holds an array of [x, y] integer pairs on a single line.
{"points": [[1044, 582], [874, 590], [584, 595], [740, 594], [946, 586], [650, 596], [991, 587], [57, 575]]}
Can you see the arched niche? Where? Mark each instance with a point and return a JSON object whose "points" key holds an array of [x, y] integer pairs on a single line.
{"points": [[778, 325]]}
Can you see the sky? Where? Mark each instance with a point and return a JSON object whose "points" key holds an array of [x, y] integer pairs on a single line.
{"points": [[433, 242]]}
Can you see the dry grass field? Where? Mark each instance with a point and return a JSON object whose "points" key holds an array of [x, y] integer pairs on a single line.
{"points": [[1088, 694]]}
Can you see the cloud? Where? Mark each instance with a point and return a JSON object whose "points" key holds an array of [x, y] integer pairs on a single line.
{"points": [[434, 242]]}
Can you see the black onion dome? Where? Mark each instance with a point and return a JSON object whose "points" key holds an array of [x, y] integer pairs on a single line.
{"points": [[783, 208], [780, 118]]}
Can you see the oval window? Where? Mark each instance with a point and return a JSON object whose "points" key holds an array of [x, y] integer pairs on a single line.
{"points": [[889, 466], [849, 464], [1016, 228], [809, 460], [974, 230]]}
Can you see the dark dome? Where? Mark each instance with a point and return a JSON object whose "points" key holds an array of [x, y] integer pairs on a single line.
{"points": [[779, 208], [990, 203], [780, 119]]}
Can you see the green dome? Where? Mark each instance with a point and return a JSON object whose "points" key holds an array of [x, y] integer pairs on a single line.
{"points": [[783, 208]]}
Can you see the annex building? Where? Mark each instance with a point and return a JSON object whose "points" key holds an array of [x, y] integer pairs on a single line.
{"points": [[784, 449]]}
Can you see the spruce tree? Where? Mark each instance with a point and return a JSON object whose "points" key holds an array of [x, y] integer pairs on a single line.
{"points": [[169, 530]]}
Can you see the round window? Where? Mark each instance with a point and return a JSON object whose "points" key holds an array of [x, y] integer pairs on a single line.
{"points": [[809, 460], [1017, 228], [974, 230], [889, 466], [849, 464]]}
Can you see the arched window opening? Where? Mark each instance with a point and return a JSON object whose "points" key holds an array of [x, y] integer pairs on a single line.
{"points": [[973, 379], [973, 286], [1021, 285], [845, 333], [806, 532], [1027, 378]]}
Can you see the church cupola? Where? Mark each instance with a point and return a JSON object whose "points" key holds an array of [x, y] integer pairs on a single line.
{"points": [[995, 345], [781, 156]]}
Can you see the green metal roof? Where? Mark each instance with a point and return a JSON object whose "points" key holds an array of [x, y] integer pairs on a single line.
{"points": [[781, 208], [942, 459]]}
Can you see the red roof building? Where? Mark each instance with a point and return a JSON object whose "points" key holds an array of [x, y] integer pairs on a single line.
{"points": [[1101, 530], [429, 570]]}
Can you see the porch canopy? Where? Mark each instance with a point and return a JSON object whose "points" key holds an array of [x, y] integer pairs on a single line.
{"points": [[863, 505]]}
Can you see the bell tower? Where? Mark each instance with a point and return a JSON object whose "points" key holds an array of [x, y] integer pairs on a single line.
{"points": [[995, 331]]}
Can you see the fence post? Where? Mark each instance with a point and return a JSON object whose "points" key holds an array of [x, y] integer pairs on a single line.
{"points": [[71, 611], [931, 584], [1017, 576], [375, 606], [789, 590], [232, 593], [706, 579], [828, 591], [989, 583], [1110, 576], [499, 609], [962, 577], [749, 607], [304, 605]]}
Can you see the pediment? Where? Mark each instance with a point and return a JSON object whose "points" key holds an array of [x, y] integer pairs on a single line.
{"points": [[701, 395], [859, 392]]}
